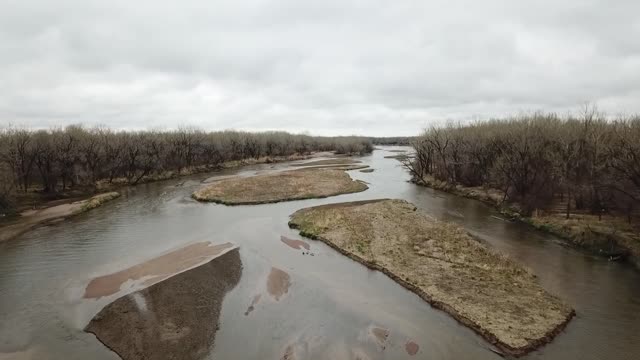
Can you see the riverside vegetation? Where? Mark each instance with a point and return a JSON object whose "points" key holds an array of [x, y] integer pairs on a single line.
{"points": [[41, 165], [575, 176], [443, 264]]}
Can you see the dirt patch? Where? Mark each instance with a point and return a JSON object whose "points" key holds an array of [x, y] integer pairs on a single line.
{"points": [[342, 161], [174, 319], [443, 264], [282, 186], [411, 348], [278, 283], [31, 219], [380, 335], [295, 244], [156, 269]]}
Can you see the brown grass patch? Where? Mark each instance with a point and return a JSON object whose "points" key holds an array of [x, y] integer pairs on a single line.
{"points": [[442, 263], [283, 186]]}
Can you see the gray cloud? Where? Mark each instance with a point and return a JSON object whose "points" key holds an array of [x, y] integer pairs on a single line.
{"points": [[331, 67]]}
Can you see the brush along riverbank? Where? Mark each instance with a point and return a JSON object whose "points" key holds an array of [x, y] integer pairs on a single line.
{"points": [[444, 265], [606, 236], [282, 186], [30, 219]]}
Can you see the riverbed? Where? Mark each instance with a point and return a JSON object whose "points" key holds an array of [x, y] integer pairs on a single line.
{"points": [[331, 305]]}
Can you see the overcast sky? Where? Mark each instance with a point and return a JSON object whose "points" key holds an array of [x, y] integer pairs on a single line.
{"points": [[324, 67]]}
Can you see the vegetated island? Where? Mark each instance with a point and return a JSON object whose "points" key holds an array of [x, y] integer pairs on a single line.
{"points": [[283, 186], [443, 264], [30, 219], [175, 318]]}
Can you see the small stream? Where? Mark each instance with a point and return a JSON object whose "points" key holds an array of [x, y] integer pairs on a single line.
{"points": [[332, 303]]}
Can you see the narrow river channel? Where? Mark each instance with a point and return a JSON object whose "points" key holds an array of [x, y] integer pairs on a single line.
{"points": [[332, 302]]}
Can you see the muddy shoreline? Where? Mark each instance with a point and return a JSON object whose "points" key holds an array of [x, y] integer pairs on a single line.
{"points": [[409, 284], [628, 250]]}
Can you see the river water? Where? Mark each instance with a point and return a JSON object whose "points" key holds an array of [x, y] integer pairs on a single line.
{"points": [[332, 303]]}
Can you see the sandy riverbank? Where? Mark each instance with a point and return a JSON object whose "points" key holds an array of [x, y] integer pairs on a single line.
{"points": [[444, 265], [176, 318], [30, 219]]}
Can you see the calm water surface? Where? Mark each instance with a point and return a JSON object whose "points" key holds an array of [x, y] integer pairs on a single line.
{"points": [[332, 303]]}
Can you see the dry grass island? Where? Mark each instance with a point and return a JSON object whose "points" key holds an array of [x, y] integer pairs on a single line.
{"points": [[283, 186], [443, 264]]}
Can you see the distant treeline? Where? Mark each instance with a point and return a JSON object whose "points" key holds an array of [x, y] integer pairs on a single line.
{"points": [[542, 161], [58, 159], [396, 140]]}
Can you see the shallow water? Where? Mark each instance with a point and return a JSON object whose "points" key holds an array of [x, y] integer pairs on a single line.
{"points": [[315, 303]]}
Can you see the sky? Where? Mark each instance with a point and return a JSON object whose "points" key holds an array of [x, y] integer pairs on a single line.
{"points": [[331, 67]]}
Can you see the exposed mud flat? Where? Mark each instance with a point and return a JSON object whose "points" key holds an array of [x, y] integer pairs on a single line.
{"points": [[156, 269], [174, 319], [366, 171], [282, 186], [443, 264], [295, 244], [32, 218]]}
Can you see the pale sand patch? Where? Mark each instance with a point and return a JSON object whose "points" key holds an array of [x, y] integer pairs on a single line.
{"points": [[157, 269]]}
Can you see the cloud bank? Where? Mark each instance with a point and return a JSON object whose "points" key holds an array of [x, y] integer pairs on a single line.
{"points": [[331, 67]]}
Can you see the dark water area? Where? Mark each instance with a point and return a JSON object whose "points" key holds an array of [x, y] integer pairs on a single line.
{"points": [[292, 301]]}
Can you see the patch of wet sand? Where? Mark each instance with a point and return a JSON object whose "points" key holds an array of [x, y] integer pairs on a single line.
{"points": [[278, 283], [380, 335], [156, 269], [411, 348], [295, 244], [173, 319]]}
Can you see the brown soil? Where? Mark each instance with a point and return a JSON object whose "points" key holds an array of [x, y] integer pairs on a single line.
{"points": [[156, 269], [31, 219], [173, 319], [411, 348], [295, 244], [443, 264], [282, 186], [278, 283]]}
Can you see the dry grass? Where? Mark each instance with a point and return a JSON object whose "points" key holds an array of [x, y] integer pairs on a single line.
{"points": [[283, 186], [607, 236], [447, 267]]}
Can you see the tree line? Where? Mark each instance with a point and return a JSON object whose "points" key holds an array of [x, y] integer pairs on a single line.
{"points": [[55, 160], [585, 162]]}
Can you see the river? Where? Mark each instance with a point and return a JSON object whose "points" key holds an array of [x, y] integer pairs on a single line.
{"points": [[332, 302]]}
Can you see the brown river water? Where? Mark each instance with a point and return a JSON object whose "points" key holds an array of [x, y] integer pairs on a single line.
{"points": [[295, 295]]}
